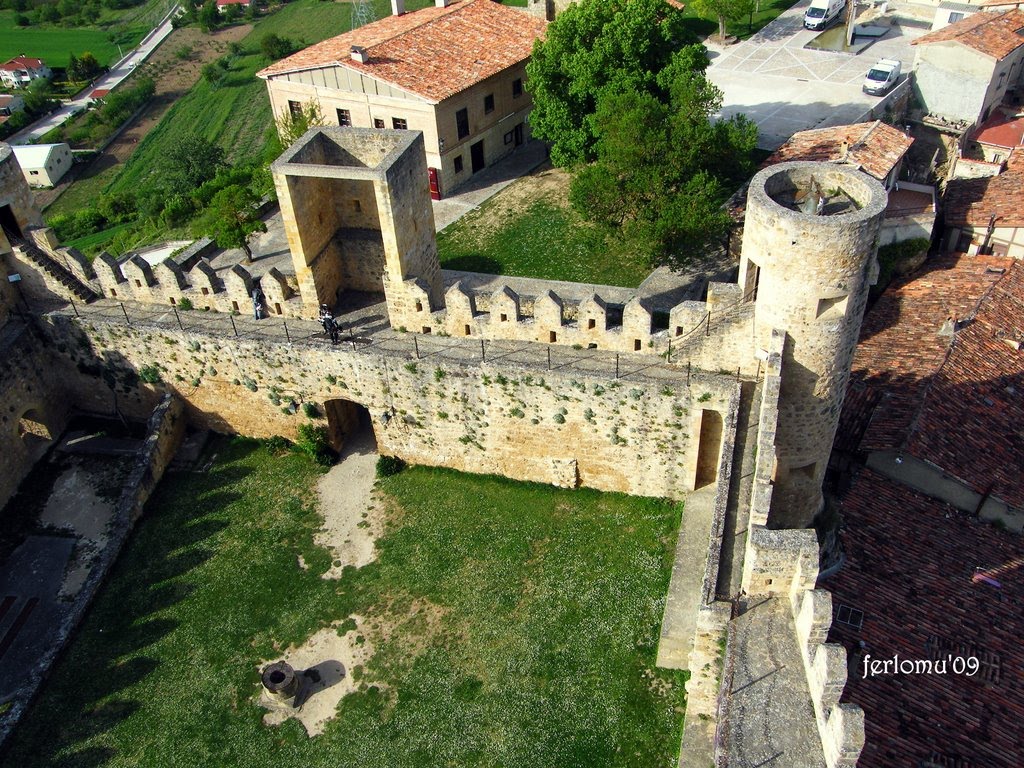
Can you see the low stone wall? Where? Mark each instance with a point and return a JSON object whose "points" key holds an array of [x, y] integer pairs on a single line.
{"points": [[163, 435]]}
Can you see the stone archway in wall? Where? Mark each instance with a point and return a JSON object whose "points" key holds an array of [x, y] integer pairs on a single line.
{"points": [[345, 419], [709, 448]]}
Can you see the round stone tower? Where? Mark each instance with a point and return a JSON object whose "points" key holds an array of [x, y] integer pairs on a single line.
{"points": [[809, 246]]}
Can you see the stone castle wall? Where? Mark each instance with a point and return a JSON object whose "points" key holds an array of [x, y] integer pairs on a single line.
{"points": [[565, 428]]}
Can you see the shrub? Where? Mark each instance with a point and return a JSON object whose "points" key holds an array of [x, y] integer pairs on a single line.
{"points": [[389, 465], [150, 374], [311, 410], [314, 443], [186, 304], [277, 444]]}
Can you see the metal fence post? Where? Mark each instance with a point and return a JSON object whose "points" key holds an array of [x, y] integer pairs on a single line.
{"points": [[177, 317], [416, 345], [483, 352], [287, 335], [126, 319], [709, 324], [616, 365], [670, 349], [549, 358], [233, 327]]}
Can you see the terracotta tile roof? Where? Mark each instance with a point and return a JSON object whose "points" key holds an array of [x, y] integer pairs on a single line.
{"points": [[971, 423], [434, 52], [973, 202], [994, 34], [1001, 130], [223, 3], [22, 62], [955, 402], [875, 147], [99, 93], [901, 348], [922, 573]]}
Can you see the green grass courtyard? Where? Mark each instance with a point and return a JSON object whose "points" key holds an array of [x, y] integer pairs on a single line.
{"points": [[547, 606]]}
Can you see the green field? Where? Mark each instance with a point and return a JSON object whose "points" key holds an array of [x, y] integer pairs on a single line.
{"points": [[547, 606], [545, 241], [53, 43]]}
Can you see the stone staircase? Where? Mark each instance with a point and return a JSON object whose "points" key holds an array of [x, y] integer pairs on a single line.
{"points": [[57, 277]]}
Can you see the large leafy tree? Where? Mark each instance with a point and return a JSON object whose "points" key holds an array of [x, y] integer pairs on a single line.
{"points": [[662, 167], [620, 93], [189, 162], [600, 47]]}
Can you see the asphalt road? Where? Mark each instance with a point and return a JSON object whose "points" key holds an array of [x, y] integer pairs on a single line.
{"points": [[110, 80]]}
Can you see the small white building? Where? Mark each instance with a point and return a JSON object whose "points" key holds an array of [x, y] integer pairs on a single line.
{"points": [[22, 70], [43, 164], [9, 104]]}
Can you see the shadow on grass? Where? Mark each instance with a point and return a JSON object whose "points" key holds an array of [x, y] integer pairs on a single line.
{"points": [[87, 693], [474, 262]]}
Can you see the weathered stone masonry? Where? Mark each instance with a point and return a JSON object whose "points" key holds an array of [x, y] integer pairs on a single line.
{"points": [[560, 427]]}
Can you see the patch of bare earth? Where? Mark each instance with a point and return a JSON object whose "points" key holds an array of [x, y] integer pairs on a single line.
{"points": [[544, 184], [332, 655], [354, 517], [77, 506]]}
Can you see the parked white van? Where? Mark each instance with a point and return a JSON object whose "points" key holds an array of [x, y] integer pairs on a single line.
{"points": [[822, 13]]}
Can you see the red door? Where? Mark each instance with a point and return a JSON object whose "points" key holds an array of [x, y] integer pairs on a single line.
{"points": [[435, 184]]}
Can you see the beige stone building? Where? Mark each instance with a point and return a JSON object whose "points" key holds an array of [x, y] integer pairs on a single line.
{"points": [[455, 71], [965, 69]]}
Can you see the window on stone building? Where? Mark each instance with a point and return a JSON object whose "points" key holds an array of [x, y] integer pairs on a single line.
{"points": [[344, 117], [426, 330], [458, 163], [234, 306], [357, 207], [462, 122], [378, 122], [591, 324], [419, 306], [504, 317], [850, 616], [277, 308], [138, 283], [552, 337], [113, 293], [399, 123], [488, 103], [637, 345], [205, 290], [955, 16], [467, 330], [173, 301], [517, 88], [295, 109], [832, 308]]}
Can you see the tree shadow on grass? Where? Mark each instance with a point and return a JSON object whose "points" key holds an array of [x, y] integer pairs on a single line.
{"points": [[474, 262]]}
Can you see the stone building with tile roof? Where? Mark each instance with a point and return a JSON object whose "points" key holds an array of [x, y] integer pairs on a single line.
{"points": [[985, 215], [455, 71], [964, 70]]}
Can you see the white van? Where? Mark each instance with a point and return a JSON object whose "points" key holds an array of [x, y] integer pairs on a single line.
{"points": [[822, 13]]}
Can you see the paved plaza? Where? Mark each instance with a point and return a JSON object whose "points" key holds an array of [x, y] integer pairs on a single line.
{"points": [[785, 87]]}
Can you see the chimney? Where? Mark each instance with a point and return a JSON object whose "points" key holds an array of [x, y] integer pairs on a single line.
{"points": [[397, 7], [359, 53], [844, 151], [442, 3]]}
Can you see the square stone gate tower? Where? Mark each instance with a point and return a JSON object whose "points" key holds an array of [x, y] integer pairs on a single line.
{"points": [[356, 209]]}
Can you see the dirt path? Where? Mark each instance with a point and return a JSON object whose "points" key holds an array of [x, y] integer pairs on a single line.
{"points": [[352, 519]]}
